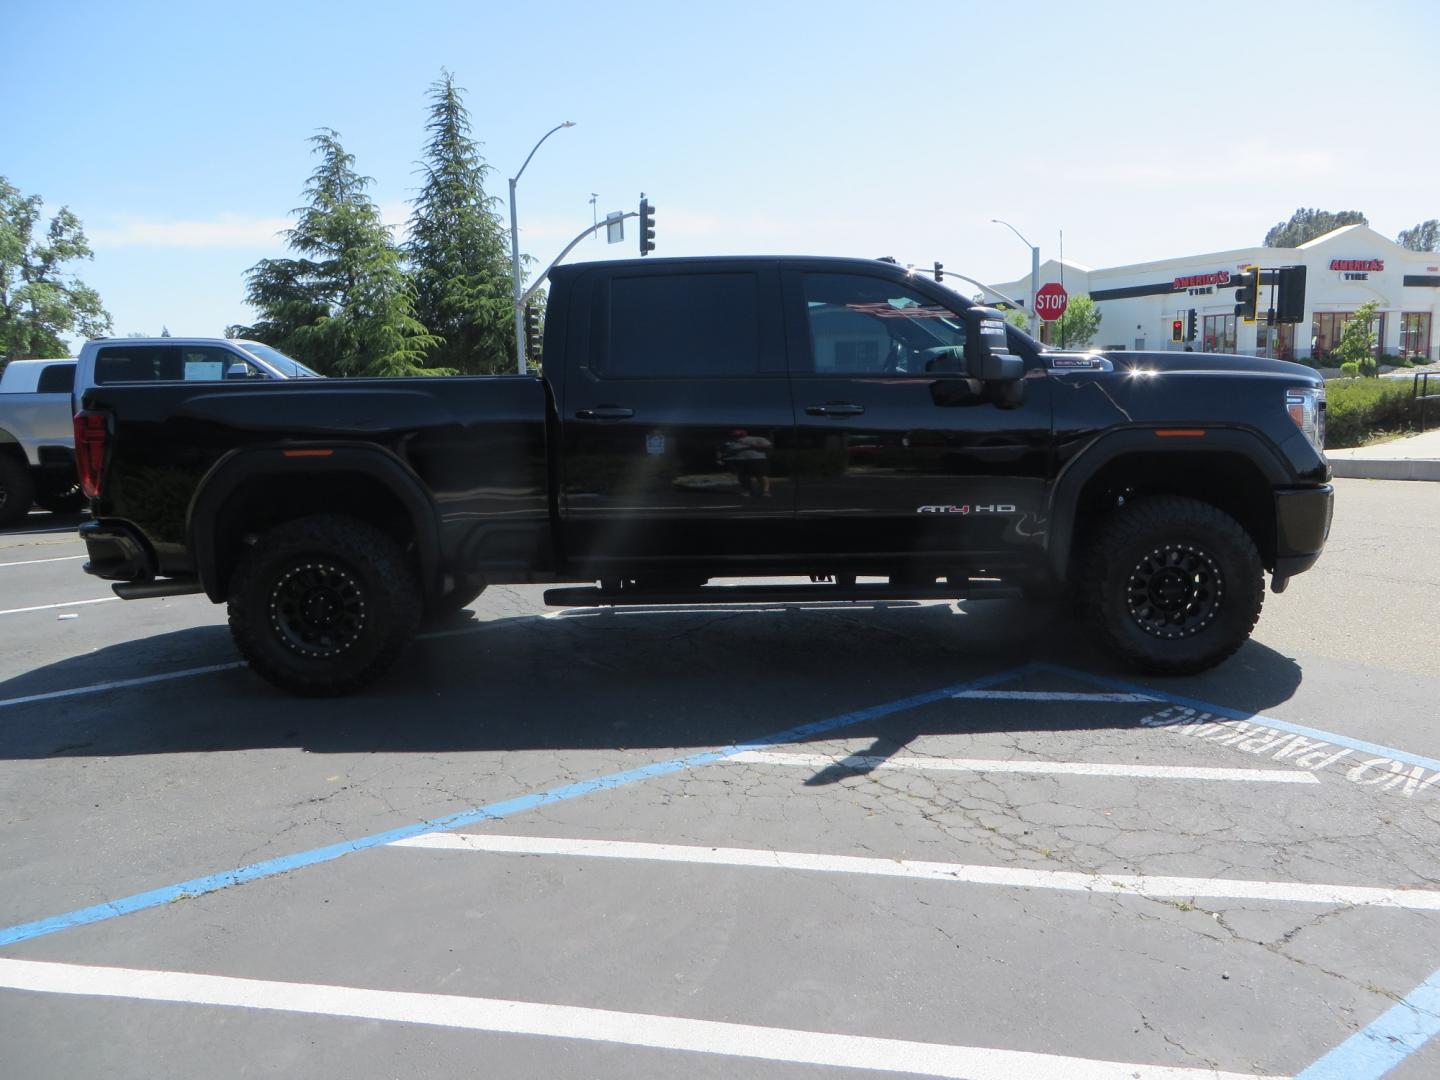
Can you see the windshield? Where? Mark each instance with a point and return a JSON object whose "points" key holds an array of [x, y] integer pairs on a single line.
{"points": [[291, 369]]}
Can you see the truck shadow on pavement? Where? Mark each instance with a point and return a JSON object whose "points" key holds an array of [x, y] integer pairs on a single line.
{"points": [[628, 679]]}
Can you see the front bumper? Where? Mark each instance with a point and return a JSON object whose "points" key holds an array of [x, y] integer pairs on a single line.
{"points": [[116, 552], [1302, 524]]}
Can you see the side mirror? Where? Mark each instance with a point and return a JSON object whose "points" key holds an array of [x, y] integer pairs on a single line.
{"points": [[237, 371], [987, 350]]}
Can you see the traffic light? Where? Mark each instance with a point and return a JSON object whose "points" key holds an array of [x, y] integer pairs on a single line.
{"points": [[939, 271], [1247, 294], [1177, 329], [1190, 326], [532, 332], [1290, 304], [647, 227]]}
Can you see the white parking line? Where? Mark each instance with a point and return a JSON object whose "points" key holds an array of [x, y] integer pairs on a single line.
{"points": [[957, 873], [574, 1022], [869, 762], [120, 684], [32, 562], [1049, 695], [51, 607]]}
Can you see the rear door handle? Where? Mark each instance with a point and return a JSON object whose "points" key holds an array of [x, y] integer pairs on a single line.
{"points": [[604, 412], [835, 408]]}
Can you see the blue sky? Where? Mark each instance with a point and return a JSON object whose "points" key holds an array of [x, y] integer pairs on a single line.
{"points": [[178, 131]]}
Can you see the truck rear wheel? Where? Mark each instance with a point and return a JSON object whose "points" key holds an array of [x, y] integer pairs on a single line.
{"points": [[1172, 585], [323, 605], [17, 491]]}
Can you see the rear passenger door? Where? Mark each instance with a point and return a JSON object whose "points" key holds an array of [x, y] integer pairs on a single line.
{"points": [[676, 426]]}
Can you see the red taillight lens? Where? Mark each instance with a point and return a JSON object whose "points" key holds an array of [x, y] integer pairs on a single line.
{"points": [[92, 429]]}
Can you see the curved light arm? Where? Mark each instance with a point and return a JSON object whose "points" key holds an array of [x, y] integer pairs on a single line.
{"points": [[997, 221], [557, 127]]}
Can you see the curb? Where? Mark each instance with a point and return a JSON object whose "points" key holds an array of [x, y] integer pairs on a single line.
{"points": [[1386, 468]]}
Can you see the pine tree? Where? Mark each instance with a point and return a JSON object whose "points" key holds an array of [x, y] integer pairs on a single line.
{"points": [[346, 307], [457, 246]]}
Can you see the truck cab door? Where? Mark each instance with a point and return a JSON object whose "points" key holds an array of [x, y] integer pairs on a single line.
{"points": [[676, 426], [917, 460]]}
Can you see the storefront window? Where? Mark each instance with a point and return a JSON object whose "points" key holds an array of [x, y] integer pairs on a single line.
{"points": [[1218, 334], [1415, 334], [1329, 325], [1277, 342]]}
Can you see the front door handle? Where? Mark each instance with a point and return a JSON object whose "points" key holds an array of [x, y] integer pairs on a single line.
{"points": [[835, 408], [604, 412]]}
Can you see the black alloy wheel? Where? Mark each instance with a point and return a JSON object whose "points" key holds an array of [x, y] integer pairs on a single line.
{"points": [[317, 608], [1175, 590]]}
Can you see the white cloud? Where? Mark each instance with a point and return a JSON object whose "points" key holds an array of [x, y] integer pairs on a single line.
{"points": [[222, 231]]}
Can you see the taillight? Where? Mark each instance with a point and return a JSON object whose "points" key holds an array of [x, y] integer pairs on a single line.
{"points": [[92, 429]]}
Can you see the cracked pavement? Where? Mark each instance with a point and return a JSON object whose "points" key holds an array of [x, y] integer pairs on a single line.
{"points": [[112, 793]]}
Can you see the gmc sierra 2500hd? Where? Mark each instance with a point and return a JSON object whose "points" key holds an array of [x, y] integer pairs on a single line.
{"points": [[839, 419]]}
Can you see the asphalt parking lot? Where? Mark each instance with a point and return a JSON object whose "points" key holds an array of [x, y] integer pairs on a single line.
{"points": [[776, 841]]}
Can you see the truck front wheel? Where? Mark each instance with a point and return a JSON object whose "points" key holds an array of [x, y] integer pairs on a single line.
{"points": [[323, 605], [1171, 584]]}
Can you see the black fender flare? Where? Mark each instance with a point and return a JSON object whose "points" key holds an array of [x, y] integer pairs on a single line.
{"points": [[244, 464], [1111, 445]]}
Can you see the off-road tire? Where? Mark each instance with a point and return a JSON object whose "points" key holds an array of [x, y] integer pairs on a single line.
{"points": [[323, 605], [1172, 585], [17, 491]]}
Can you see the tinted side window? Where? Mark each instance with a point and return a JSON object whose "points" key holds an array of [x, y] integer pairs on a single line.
{"points": [[137, 363], [57, 379], [201, 363], [872, 326], [678, 325]]}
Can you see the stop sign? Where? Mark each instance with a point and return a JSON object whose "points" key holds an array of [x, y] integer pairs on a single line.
{"points": [[1050, 301]]}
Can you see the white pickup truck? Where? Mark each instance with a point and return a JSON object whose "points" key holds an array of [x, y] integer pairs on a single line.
{"points": [[39, 398], [37, 438]]}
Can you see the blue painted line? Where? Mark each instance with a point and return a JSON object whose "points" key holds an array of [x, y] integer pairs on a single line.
{"points": [[1373, 749], [283, 864], [1377, 1048]]}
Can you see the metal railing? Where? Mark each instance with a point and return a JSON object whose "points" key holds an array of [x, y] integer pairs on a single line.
{"points": [[1425, 396]]}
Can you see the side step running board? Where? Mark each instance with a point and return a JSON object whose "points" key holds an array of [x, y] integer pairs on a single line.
{"points": [[145, 590], [591, 596]]}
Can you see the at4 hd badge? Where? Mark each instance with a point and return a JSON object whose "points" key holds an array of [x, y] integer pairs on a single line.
{"points": [[978, 508]]}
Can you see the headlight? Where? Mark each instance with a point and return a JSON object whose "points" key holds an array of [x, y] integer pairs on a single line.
{"points": [[1307, 409]]}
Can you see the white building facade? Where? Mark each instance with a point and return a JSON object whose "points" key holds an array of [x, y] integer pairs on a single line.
{"points": [[1139, 304]]}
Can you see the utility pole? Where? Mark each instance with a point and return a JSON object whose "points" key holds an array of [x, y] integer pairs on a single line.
{"points": [[515, 251]]}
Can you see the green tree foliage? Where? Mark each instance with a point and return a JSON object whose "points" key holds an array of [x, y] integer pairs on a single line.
{"points": [[39, 301], [1305, 225], [458, 246], [1357, 339], [346, 307], [1076, 329], [1423, 237]]}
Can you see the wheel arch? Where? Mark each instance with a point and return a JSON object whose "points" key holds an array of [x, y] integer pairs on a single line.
{"points": [[252, 489], [1233, 469]]}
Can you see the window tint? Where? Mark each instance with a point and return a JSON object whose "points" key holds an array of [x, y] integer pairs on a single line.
{"points": [[870, 326], [200, 363], [683, 325], [137, 363], [57, 379]]}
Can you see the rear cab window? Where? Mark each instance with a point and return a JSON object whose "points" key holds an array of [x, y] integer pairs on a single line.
{"points": [[168, 363], [701, 325]]}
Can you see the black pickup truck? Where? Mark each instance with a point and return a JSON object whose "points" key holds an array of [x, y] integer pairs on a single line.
{"points": [[836, 420]]}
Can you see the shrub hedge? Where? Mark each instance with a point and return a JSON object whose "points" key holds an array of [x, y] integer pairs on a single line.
{"points": [[1358, 409]]}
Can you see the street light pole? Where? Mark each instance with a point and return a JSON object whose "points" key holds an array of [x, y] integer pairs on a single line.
{"points": [[1034, 277], [515, 250]]}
